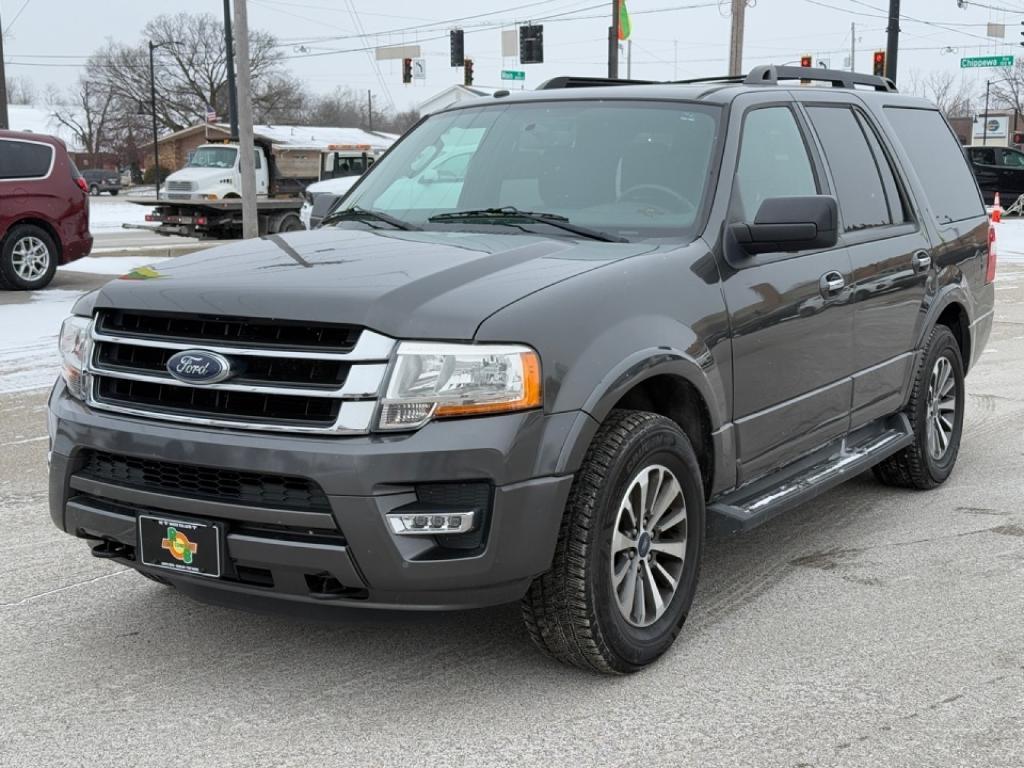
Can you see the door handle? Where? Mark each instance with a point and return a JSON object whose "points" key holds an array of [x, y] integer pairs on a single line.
{"points": [[921, 260], [831, 282]]}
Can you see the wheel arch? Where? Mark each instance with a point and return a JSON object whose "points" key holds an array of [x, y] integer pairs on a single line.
{"points": [[954, 316], [43, 225], [665, 382]]}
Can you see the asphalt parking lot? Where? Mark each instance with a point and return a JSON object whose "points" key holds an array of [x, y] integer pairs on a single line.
{"points": [[870, 627]]}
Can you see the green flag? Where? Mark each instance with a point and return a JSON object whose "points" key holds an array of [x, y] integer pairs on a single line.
{"points": [[623, 21]]}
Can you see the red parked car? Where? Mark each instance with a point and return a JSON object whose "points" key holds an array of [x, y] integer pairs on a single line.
{"points": [[44, 210]]}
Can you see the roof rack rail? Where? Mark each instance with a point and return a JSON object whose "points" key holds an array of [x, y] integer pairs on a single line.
{"points": [[769, 74], [568, 81]]}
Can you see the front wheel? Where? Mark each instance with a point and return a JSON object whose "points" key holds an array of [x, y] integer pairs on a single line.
{"points": [[936, 412], [628, 555]]}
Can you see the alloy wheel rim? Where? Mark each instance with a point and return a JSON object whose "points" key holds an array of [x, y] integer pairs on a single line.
{"points": [[30, 258], [648, 550], [942, 404]]}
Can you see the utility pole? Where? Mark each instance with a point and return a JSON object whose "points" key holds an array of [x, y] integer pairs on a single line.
{"points": [[229, 47], [675, 59], [893, 41], [613, 43], [3, 82], [152, 110], [984, 130], [739, 9], [246, 144], [369, 109], [853, 46], [629, 59]]}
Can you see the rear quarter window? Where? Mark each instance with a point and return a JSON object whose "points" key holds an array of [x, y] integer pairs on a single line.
{"points": [[24, 159], [939, 162]]}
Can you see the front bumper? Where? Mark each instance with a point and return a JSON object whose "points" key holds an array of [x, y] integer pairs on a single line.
{"points": [[364, 478]]}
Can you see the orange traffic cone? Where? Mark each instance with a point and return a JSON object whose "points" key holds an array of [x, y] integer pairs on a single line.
{"points": [[997, 210]]}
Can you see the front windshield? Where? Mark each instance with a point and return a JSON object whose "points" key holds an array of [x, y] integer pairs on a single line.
{"points": [[213, 157], [633, 169]]}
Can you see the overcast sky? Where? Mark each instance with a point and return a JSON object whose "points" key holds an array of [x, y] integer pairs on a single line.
{"points": [[48, 40]]}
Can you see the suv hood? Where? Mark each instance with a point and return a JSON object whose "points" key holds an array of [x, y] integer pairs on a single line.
{"points": [[413, 285]]}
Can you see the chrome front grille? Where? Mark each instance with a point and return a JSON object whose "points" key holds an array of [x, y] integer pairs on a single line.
{"points": [[290, 377], [180, 186]]}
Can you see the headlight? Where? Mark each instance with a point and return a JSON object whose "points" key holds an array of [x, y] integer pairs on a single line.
{"points": [[436, 381], [75, 347]]}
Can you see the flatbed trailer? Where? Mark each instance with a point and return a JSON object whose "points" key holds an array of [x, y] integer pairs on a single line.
{"points": [[217, 219]]}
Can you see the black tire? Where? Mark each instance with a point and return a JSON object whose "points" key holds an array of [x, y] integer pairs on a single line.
{"points": [[291, 224], [94, 191], [572, 612], [113, 192], [9, 277], [915, 466]]}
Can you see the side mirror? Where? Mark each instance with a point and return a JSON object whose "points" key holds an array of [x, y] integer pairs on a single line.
{"points": [[787, 224]]}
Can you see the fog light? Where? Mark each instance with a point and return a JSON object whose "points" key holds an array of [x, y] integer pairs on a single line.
{"points": [[414, 524]]}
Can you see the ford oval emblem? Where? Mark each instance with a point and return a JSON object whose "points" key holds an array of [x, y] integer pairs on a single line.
{"points": [[194, 366]]}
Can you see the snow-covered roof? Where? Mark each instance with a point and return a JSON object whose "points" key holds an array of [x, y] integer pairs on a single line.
{"points": [[298, 135], [21, 117], [315, 135], [454, 94]]}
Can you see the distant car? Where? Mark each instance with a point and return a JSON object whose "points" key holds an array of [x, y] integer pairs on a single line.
{"points": [[320, 198], [998, 169], [101, 180], [44, 210]]}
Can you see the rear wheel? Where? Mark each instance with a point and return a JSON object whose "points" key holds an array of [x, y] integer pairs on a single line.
{"points": [[113, 192], [936, 411], [94, 190], [28, 259], [628, 554]]}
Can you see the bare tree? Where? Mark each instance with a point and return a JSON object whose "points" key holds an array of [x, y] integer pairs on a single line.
{"points": [[20, 90], [1010, 92], [190, 71], [947, 91], [87, 113]]}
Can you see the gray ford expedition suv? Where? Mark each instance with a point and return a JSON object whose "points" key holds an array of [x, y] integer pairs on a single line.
{"points": [[633, 313]]}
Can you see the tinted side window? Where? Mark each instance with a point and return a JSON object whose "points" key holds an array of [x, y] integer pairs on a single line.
{"points": [[24, 160], [862, 199], [939, 162], [893, 192], [984, 156], [1011, 158], [773, 160]]}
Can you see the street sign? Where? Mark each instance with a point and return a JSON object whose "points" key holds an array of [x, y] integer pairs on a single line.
{"points": [[513, 74], [419, 69], [972, 62]]}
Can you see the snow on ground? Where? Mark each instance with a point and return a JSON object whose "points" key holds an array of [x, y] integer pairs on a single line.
{"points": [[109, 265], [107, 214], [28, 330], [28, 339]]}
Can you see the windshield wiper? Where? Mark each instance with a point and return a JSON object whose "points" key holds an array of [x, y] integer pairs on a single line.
{"points": [[356, 213], [511, 212]]}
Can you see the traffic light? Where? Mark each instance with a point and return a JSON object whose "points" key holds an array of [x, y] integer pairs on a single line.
{"points": [[458, 47], [806, 60], [467, 72], [531, 44], [406, 70], [878, 66], [1022, 33]]}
